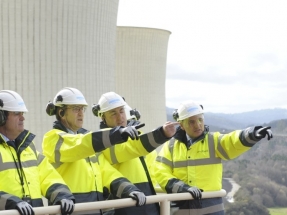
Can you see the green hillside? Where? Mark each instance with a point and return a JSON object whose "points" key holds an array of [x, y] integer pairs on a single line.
{"points": [[262, 175]]}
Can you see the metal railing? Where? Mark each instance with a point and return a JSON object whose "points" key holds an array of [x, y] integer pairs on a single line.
{"points": [[163, 199]]}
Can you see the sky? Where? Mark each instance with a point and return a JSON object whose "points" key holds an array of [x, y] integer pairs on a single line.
{"points": [[228, 55]]}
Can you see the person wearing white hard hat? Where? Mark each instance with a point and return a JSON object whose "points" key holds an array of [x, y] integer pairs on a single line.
{"points": [[26, 175], [74, 152], [128, 157], [192, 160]]}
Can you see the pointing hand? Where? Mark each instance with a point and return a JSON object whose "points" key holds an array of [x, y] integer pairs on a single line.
{"points": [[169, 128]]}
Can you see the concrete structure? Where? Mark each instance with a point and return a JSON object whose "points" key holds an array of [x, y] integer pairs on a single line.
{"points": [[141, 56], [48, 45]]}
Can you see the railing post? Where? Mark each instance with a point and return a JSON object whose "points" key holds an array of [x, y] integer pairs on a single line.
{"points": [[165, 207]]}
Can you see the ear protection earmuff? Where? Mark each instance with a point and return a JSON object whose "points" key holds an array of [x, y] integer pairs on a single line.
{"points": [[96, 109], [175, 115], [51, 108], [2, 114], [135, 113]]}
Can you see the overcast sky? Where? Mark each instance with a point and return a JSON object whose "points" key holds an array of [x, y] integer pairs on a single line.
{"points": [[230, 56]]}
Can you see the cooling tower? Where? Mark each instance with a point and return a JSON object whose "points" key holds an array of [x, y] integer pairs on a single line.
{"points": [[141, 55], [48, 45]]}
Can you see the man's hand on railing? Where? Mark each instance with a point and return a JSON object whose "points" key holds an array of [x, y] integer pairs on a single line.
{"points": [[139, 197], [196, 194], [24, 208], [67, 206]]}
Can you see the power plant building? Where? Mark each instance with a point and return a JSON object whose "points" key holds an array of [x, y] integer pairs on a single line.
{"points": [[48, 45], [141, 57]]}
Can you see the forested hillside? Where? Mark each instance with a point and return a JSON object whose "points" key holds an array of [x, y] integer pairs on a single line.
{"points": [[262, 175]]}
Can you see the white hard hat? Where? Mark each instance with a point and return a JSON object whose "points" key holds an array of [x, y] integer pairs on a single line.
{"points": [[11, 101], [188, 109], [109, 101], [69, 96], [131, 113]]}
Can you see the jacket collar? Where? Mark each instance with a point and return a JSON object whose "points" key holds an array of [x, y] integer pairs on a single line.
{"points": [[103, 125], [58, 125], [180, 135]]}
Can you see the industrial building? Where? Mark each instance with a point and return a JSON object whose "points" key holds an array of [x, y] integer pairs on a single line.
{"points": [[48, 45]]}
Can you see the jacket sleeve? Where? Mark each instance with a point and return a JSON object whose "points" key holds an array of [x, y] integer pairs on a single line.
{"points": [[60, 146], [122, 187], [53, 186], [231, 145], [118, 186], [163, 172], [136, 148], [8, 201]]}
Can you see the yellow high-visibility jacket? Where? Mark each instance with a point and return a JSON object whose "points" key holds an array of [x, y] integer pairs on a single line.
{"points": [[150, 160], [20, 161], [85, 172], [180, 166], [128, 159]]}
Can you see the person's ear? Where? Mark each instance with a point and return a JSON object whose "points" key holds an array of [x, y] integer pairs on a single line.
{"points": [[61, 113]]}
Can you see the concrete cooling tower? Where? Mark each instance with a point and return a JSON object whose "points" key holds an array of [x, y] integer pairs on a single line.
{"points": [[48, 45], [141, 55]]}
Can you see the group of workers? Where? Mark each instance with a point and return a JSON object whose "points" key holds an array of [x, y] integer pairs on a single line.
{"points": [[116, 161]]}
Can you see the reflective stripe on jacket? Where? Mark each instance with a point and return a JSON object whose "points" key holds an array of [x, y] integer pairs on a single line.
{"points": [[39, 177], [135, 148], [85, 172], [127, 158]]}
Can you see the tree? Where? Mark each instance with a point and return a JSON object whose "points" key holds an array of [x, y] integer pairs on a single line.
{"points": [[246, 208]]}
